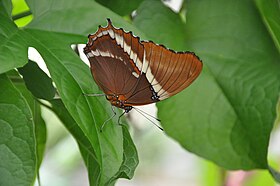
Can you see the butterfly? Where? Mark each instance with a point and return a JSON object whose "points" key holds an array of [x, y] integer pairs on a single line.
{"points": [[132, 72]]}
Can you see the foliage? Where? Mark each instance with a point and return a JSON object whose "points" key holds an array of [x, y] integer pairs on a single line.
{"points": [[226, 116]]}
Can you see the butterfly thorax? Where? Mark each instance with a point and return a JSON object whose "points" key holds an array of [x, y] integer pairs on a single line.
{"points": [[119, 101]]}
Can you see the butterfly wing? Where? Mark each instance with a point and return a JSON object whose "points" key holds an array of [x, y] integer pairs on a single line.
{"points": [[142, 72]]}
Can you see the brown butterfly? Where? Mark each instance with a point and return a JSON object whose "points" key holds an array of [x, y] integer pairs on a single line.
{"points": [[132, 72]]}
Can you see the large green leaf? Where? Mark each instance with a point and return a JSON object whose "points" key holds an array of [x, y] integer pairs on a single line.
{"points": [[76, 17], [227, 114], [17, 139], [39, 123], [54, 28], [270, 12]]}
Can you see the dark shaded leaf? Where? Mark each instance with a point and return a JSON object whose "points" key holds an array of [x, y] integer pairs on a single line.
{"points": [[5, 8], [37, 82]]}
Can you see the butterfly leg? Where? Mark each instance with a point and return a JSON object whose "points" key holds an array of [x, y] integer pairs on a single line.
{"points": [[120, 118], [108, 118], [93, 95]]}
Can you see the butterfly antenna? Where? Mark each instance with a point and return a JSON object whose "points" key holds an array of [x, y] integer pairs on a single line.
{"points": [[108, 119], [143, 114], [146, 113]]}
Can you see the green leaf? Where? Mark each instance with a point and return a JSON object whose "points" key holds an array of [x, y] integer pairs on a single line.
{"points": [[169, 26], [5, 8], [130, 158], [121, 7], [13, 47], [39, 84], [87, 15], [227, 114], [17, 140], [92, 165], [270, 12], [40, 133], [40, 126]]}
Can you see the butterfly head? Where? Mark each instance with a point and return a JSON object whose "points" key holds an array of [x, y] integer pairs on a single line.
{"points": [[119, 101]]}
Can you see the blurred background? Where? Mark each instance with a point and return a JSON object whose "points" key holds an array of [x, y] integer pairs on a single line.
{"points": [[162, 160]]}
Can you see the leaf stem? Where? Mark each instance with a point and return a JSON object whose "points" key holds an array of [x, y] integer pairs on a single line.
{"points": [[21, 15]]}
